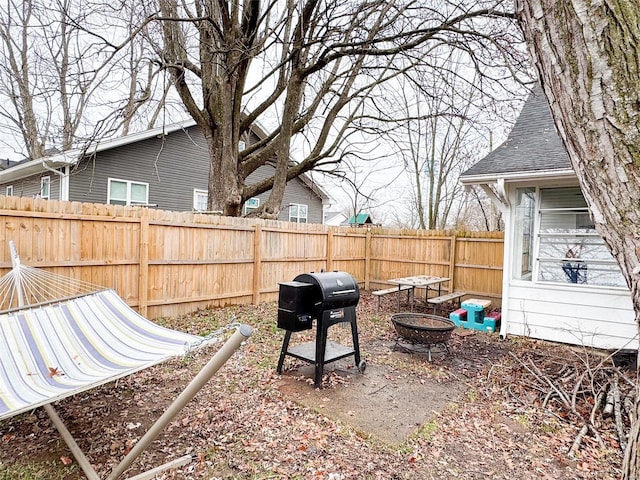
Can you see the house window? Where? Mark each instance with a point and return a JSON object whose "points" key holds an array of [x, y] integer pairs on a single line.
{"points": [[125, 192], [45, 188], [298, 213], [9, 191], [570, 250], [524, 224], [200, 198], [251, 205]]}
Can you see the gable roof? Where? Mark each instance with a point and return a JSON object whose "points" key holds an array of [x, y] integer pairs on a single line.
{"points": [[71, 157], [335, 218], [533, 146]]}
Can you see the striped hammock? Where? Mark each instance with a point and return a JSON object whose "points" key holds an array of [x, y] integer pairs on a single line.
{"points": [[53, 351]]}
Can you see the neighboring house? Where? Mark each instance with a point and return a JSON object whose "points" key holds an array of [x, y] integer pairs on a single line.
{"points": [[560, 282], [335, 218], [167, 168]]}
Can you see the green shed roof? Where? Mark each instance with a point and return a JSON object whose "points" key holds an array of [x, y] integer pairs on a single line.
{"points": [[360, 219]]}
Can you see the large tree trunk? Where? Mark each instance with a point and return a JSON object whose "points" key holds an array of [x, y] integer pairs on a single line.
{"points": [[225, 194], [587, 53]]}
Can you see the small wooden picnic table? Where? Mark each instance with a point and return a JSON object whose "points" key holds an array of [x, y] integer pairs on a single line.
{"points": [[429, 282]]}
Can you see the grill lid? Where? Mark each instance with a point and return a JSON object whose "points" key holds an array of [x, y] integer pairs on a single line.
{"points": [[331, 290]]}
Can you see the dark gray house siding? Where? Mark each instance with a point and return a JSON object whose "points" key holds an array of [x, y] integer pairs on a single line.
{"points": [[30, 186], [173, 166]]}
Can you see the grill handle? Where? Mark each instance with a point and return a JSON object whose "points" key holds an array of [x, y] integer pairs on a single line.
{"points": [[343, 292]]}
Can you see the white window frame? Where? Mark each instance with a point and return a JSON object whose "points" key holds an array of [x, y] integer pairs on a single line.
{"points": [[524, 226], [552, 261], [9, 191], [197, 199], [294, 213], [45, 184], [129, 184], [251, 205]]}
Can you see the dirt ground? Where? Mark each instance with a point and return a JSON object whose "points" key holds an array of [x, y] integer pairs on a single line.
{"points": [[382, 403], [474, 412]]}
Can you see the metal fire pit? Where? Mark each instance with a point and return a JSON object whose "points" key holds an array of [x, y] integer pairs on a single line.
{"points": [[423, 329]]}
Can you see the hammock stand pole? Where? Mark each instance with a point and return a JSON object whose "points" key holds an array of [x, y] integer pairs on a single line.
{"points": [[197, 383], [71, 443], [209, 370]]}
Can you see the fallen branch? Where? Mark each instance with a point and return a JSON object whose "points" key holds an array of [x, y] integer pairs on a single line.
{"points": [[628, 404], [599, 384], [608, 407], [578, 440], [617, 411], [535, 371]]}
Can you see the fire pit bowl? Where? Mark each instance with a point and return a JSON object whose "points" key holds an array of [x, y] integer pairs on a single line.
{"points": [[423, 328]]}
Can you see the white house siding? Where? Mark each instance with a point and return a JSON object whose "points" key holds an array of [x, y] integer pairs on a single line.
{"points": [[537, 299], [586, 315], [581, 316]]}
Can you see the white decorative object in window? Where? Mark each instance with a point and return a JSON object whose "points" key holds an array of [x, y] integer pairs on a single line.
{"points": [[200, 198], [125, 192], [251, 205], [45, 188], [298, 213]]}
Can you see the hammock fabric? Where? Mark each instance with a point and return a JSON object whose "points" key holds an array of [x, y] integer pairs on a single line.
{"points": [[54, 351]]}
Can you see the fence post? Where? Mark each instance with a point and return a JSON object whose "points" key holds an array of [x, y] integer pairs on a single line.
{"points": [[143, 267], [330, 240], [452, 262], [367, 260], [257, 263]]}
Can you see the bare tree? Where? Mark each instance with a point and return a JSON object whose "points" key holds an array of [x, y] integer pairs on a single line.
{"points": [[315, 67], [587, 54], [62, 78], [478, 212], [363, 180], [439, 137]]}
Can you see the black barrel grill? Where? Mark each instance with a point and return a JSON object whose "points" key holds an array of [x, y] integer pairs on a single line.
{"points": [[329, 298]]}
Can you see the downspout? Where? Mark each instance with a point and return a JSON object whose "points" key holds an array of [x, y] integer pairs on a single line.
{"points": [[63, 195]]}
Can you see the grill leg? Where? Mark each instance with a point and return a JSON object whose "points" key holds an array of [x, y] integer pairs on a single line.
{"points": [[321, 348], [283, 351], [356, 343]]}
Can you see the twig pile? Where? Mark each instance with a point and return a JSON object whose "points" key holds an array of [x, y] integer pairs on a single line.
{"points": [[589, 391]]}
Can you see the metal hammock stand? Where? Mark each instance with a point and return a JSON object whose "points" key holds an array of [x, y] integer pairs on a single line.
{"points": [[60, 337]]}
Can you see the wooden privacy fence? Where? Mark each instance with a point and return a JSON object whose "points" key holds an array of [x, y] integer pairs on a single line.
{"points": [[169, 263]]}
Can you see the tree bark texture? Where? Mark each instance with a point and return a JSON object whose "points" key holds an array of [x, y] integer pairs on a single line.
{"points": [[587, 53]]}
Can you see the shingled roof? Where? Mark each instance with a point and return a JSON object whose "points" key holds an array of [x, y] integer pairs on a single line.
{"points": [[532, 146]]}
